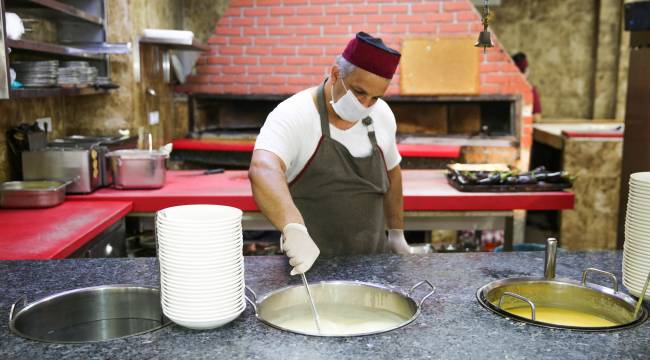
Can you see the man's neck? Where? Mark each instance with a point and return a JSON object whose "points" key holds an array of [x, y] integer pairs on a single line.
{"points": [[332, 117]]}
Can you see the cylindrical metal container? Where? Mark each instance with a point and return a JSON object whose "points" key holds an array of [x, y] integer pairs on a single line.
{"points": [[345, 308], [32, 194], [90, 314], [567, 304], [138, 169]]}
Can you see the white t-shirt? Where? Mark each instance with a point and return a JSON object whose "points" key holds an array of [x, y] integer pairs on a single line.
{"points": [[292, 131]]}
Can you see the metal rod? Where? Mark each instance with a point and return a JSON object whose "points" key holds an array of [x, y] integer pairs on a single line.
{"points": [[549, 259], [311, 301], [637, 308]]}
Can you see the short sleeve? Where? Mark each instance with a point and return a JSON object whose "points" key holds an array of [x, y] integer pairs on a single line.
{"points": [[278, 135], [391, 153]]}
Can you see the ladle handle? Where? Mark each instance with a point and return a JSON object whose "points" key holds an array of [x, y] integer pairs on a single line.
{"points": [[13, 306], [433, 289], [519, 297], [588, 270], [254, 298]]}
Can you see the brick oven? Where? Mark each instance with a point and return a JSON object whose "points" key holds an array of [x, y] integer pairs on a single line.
{"points": [[262, 51]]}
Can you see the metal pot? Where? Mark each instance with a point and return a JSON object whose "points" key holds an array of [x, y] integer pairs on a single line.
{"points": [[506, 296], [390, 309], [138, 169], [89, 314]]}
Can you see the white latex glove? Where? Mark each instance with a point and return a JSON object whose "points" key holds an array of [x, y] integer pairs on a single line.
{"points": [[397, 242], [299, 247]]}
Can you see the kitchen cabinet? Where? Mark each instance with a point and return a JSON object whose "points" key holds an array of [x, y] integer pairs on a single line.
{"points": [[80, 29]]}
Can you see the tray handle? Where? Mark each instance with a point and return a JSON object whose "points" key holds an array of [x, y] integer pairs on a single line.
{"points": [[251, 300], [606, 273], [518, 297], [13, 306], [433, 289]]}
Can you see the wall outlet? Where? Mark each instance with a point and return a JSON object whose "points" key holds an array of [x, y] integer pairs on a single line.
{"points": [[45, 123], [154, 118]]}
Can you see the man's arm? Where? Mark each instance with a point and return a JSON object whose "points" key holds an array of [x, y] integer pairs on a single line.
{"points": [[393, 210], [271, 191], [394, 200]]}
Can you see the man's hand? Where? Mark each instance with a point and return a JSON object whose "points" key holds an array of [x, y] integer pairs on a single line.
{"points": [[299, 247], [397, 242]]}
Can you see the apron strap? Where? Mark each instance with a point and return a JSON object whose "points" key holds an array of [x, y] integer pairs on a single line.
{"points": [[371, 130], [322, 110]]}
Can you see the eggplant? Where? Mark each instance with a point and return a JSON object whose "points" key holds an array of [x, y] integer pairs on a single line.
{"points": [[525, 179], [492, 179]]}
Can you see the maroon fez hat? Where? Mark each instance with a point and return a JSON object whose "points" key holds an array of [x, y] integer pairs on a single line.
{"points": [[371, 54]]}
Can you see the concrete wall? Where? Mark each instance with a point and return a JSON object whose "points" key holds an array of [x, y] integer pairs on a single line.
{"points": [[573, 48]]}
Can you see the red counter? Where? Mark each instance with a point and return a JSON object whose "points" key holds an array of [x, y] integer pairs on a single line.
{"points": [[424, 190], [55, 233], [406, 150]]}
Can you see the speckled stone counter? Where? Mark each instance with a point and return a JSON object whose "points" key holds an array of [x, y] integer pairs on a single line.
{"points": [[452, 324]]}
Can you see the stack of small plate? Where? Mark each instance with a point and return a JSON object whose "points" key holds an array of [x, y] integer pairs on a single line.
{"points": [[636, 254], [77, 73], [201, 264], [36, 73]]}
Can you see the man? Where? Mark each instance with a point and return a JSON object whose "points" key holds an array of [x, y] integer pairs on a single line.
{"points": [[325, 169], [521, 61]]}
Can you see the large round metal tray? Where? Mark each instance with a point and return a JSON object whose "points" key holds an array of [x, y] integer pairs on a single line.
{"points": [[90, 314], [607, 303], [399, 307]]}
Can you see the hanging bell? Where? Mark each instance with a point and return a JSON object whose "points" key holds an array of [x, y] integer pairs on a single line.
{"points": [[484, 40]]}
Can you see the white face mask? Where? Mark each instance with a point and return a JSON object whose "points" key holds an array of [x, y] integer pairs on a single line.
{"points": [[348, 106]]}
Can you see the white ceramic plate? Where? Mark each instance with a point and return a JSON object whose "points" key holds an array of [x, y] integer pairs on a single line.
{"points": [[643, 177], [212, 244], [200, 213], [204, 325], [191, 252], [215, 313]]}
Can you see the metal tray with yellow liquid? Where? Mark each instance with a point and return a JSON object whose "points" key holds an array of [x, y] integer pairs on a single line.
{"points": [[562, 304]]}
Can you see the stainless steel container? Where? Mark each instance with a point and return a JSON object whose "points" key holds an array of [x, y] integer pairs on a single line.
{"points": [[89, 314], [568, 298], [32, 194], [65, 163], [349, 300], [138, 169]]}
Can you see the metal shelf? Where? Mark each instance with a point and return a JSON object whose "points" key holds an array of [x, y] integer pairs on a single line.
{"points": [[49, 48], [52, 9], [174, 44], [47, 92]]}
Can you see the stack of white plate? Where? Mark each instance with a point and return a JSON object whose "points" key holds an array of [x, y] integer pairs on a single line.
{"points": [[201, 264], [636, 253]]}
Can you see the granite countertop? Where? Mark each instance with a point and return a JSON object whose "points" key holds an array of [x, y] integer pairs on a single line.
{"points": [[452, 324]]}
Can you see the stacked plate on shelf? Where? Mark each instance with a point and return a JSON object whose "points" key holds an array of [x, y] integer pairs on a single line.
{"points": [[76, 73], [36, 73], [201, 264], [636, 254]]}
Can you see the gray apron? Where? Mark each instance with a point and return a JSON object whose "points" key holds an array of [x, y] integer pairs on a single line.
{"points": [[340, 197]]}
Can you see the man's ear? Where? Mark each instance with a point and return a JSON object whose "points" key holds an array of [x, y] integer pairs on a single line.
{"points": [[334, 73]]}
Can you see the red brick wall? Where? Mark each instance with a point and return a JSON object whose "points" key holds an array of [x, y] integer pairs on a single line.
{"points": [[284, 46]]}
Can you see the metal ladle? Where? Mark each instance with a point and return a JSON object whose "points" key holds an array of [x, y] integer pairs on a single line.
{"points": [[637, 308], [311, 301]]}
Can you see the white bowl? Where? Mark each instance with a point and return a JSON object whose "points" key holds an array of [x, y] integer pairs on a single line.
{"points": [[215, 313], [199, 234], [207, 303], [200, 213], [222, 253], [204, 303], [203, 325], [212, 244], [643, 177], [193, 229], [636, 249], [213, 258]]}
